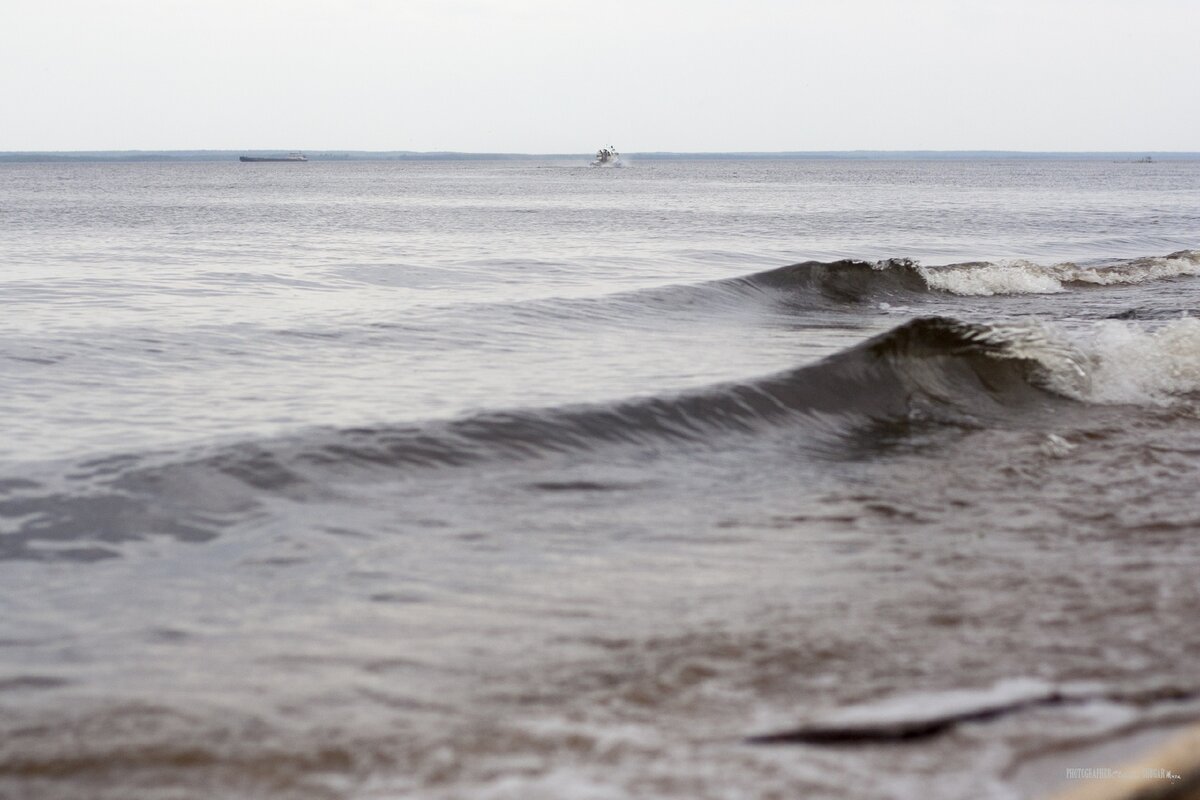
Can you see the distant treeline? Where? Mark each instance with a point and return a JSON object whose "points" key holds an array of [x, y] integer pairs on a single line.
{"points": [[232, 155], [407, 155]]}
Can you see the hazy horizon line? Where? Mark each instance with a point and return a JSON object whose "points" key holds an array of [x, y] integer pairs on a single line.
{"points": [[333, 154]]}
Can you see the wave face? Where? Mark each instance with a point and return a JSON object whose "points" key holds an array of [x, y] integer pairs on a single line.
{"points": [[931, 368], [845, 282], [930, 371]]}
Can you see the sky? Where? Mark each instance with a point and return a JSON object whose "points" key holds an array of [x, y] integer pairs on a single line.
{"points": [[559, 76]]}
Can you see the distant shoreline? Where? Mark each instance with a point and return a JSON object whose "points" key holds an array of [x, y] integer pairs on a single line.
{"points": [[119, 156]]}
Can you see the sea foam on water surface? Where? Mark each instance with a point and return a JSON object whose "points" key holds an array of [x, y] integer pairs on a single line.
{"points": [[985, 280], [1025, 277], [1113, 362], [1130, 364]]}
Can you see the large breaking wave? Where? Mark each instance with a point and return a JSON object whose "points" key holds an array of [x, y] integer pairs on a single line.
{"points": [[929, 368], [929, 373]]}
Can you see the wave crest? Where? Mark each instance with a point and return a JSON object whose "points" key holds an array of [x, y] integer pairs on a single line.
{"points": [[1131, 365], [818, 284], [985, 279], [840, 282]]}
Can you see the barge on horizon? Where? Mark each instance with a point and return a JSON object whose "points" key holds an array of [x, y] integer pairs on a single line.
{"points": [[288, 157]]}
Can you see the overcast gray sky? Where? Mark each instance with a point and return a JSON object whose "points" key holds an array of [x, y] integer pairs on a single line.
{"points": [[563, 76]]}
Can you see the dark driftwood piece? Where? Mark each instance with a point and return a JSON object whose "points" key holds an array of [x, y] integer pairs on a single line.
{"points": [[918, 727]]}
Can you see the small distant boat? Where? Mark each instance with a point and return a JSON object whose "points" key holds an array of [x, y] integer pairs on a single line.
{"points": [[1144, 160], [607, 157], [288, 157]]}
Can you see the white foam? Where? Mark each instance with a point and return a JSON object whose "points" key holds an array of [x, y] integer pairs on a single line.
{"points": [[1141, 270], [985, 280], [1056, 446], [1132, 365], [1026, 277], [1111, 362]]}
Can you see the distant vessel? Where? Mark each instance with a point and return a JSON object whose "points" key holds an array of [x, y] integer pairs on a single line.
{"points": [[1145, 160], [288, 157], [607, 157]]}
